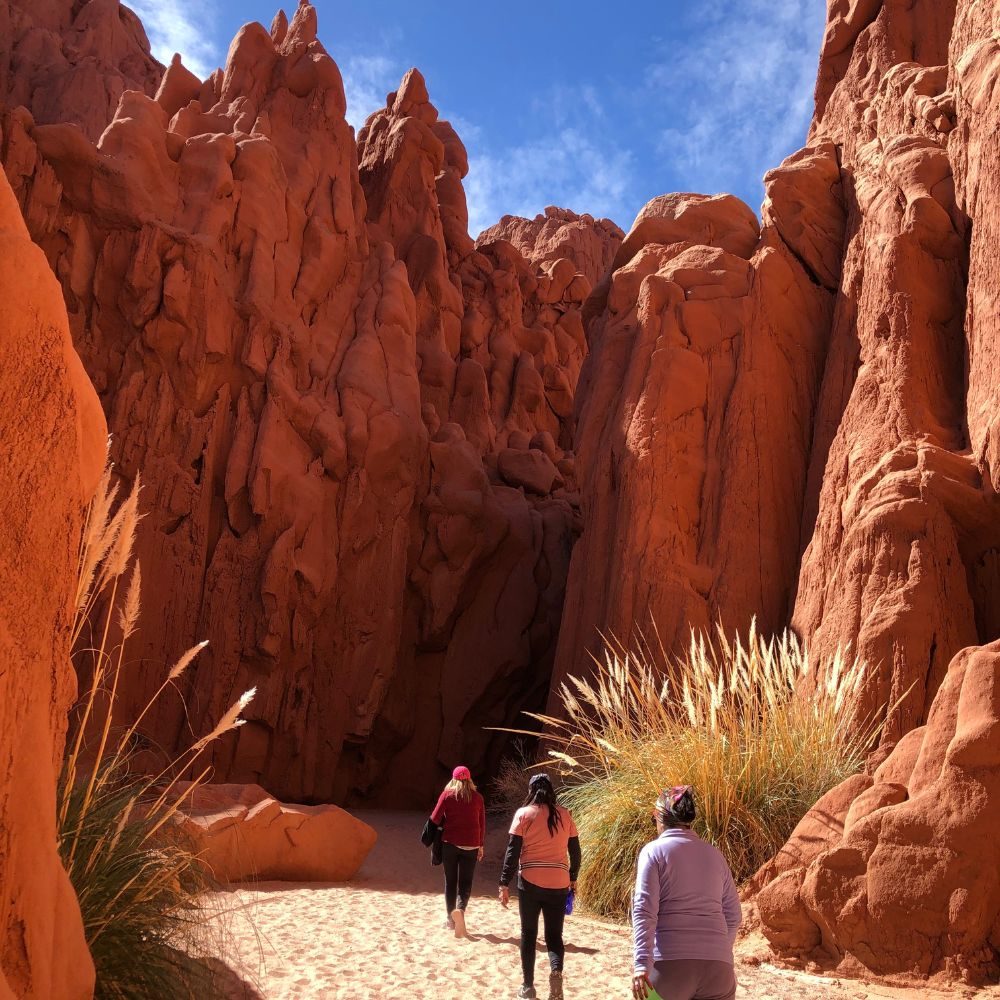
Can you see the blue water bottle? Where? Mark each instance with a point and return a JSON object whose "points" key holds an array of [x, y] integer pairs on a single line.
{"points": [[569, 902]]}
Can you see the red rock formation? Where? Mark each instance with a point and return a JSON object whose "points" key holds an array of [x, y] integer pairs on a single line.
{"points": [[53, 439], [500, 346], [903, 549], [877, 436], [696, 406], [364, 433], [242, 834], [71, 62], [589, 243], [354, 427]]}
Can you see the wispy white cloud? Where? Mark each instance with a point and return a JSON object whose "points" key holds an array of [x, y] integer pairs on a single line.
{"points": [[183, 26], [568, 169], [564, 104], [745, 94], [367, 80], [574, 162]]}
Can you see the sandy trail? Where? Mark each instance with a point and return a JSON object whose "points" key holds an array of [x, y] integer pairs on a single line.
{"points": [[382, 937]]}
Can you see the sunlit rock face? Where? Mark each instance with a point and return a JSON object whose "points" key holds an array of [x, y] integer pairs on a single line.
{"points": [[52, 437], [901, 512], [355, 427], [695, 408], [800, 425]]}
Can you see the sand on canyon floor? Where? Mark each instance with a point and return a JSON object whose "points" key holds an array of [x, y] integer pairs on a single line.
{"points": [[382, 937]]}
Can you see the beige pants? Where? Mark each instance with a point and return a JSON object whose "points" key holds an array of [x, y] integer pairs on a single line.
{"points": [[694, 979]]}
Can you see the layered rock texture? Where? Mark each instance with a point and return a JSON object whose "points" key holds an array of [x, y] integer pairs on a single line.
{"points": [[52, 440], [696, 401], [72, 61], [902, 547], [354, 425]]}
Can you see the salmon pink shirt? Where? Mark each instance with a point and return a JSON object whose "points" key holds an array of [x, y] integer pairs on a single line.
{"points": [[544, 856]]}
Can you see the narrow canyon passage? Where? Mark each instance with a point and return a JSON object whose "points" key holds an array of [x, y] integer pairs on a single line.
{"points": [[402, 474]]}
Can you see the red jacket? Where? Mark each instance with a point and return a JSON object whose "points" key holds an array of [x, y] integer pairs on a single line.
{"points": [[464, 823]]}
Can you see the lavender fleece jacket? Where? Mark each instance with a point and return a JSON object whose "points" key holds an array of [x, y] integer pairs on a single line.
{"points": [[685, 904]]}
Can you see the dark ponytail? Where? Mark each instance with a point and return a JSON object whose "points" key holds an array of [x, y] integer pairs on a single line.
{"points": [[542, 793]]}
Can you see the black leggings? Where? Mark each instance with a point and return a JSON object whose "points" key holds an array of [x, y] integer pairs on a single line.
{"points": [[459, 868], [551, 904]]}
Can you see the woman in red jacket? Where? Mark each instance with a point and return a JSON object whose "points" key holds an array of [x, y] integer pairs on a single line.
{"points": [[461, 814]]}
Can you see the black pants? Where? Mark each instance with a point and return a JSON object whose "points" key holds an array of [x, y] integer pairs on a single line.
{"points": [[533, 900], [459, 868]]}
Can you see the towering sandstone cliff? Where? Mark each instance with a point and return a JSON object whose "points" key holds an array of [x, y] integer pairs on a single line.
{"points": [[355, 426], [835, 371], [897, 871], [52, 441]]}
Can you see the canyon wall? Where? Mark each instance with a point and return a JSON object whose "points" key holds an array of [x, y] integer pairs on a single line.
{"points": [[799, 425], [696, 404], [795, 447], [896, 872], [354, 425], [52, 439]]}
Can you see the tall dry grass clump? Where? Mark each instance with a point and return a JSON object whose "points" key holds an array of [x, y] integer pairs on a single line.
{"points": [[510, 783], [725, 718], [139, 889]]}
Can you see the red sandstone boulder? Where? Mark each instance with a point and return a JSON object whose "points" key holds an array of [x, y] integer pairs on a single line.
{"points": [[52, 437], [531, 469], [589, 243], [909, 885], [241, 833]]}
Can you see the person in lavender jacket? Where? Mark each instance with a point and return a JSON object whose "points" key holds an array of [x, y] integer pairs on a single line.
{"points": [[685, 912]]}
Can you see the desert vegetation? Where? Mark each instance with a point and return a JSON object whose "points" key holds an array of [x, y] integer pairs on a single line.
{"points": [[724, 717], [140, 888]]}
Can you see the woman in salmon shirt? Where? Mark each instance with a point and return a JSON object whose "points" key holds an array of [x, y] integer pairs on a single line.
{"points": [[544, 850], [461, 814]]}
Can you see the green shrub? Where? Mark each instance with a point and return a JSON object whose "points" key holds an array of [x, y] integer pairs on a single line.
{"points": [[725, 718]]}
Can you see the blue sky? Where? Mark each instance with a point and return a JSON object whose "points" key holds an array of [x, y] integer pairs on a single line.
{"points": [[593, 105]]}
